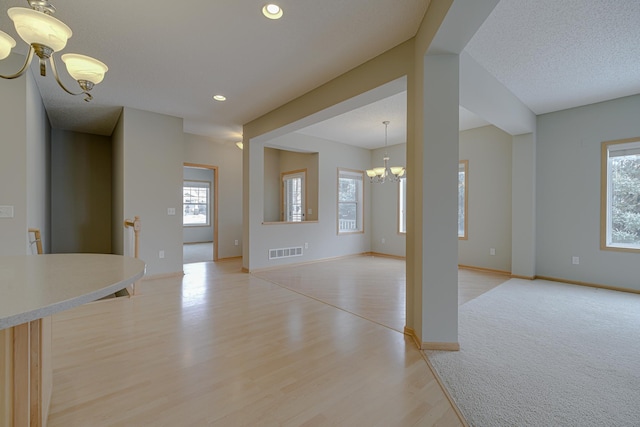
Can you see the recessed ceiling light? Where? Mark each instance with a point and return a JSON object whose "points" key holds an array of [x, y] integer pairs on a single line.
{"points": [[272, 11], [219, 97]]}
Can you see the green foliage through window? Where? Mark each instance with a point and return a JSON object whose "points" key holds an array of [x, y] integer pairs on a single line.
{"points": [[625, 199]]}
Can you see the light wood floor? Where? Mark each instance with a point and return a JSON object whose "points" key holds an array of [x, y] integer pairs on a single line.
{"points": [[372, 287], [223, 348]]}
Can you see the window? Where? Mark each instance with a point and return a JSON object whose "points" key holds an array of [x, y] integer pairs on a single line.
{"points": [[195, 203], [620, 198], [293, 196], [350, 201], [463, 177], [402, 205]]}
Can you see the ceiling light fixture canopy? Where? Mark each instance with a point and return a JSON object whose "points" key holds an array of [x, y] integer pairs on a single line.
{"points": [[386, 172], [45, 35]]}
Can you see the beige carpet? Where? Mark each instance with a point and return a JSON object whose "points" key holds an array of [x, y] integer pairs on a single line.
{"points": [[538, 353]]}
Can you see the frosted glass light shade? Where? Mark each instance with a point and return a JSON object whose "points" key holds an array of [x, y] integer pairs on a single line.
{"points": [[36, 27], [371, 173], [6, 44], [379, 171], [82, 67], [397, 170]]}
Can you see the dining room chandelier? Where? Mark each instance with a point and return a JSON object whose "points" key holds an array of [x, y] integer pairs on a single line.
{"points": [[46, 35], [386, 172]]}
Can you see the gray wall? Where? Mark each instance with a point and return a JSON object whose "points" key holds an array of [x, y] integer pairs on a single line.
{"points": [[200, 233], [24, 130], [13, 161], [488, 150], [321, 236], [149, 152], [117, 189], [38, 167], [81, 193], [568, 193], [228, 158], [384, 205]]}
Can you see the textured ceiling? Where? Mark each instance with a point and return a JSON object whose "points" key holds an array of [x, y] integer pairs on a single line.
{"points": [[172, 57], [556, 54]]}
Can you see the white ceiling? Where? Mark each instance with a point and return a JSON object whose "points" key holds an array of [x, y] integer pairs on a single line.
{"points": [[171, 58]]}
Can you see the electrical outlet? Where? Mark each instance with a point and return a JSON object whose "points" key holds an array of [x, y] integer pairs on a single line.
{"points": [[161, 254], [492, 251], [306, 245], [575, 260], [383, 240], [6, 211], [236, 242]]}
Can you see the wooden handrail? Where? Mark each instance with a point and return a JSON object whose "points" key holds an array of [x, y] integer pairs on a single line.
{"points": [[136, 230], [38, 239]]}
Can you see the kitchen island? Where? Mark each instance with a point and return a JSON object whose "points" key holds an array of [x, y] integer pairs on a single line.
{"points": [[32, 288]]}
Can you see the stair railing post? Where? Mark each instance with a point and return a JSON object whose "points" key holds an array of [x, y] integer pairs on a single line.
{"points": [[136, 245]]}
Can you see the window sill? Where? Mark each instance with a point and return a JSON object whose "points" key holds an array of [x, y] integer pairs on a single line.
{"points": [[621, 248]]}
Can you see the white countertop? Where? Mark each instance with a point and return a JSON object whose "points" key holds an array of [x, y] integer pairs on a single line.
{"points": [[36, 286]]}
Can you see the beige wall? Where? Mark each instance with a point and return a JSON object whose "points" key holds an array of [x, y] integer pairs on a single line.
{"points": [[271, 185], [277, 162]]}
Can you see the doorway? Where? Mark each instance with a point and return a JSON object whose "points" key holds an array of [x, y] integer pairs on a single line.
{"points": [[200, 213]]}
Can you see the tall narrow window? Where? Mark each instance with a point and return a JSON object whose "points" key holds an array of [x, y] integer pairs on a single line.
{"points": [[620, 199], [463, 176], [195, 203], [402, 205], [350, 201], [293, 196]]}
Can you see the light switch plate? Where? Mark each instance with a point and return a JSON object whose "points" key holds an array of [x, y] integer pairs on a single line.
{"points": [[171, 211], [6, 211]]}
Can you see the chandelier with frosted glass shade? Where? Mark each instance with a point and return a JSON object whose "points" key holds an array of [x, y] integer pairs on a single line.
{"points": [[46, 35], [385, 173]]}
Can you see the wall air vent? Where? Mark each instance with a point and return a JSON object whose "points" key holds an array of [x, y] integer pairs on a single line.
{"points": [[285, 252]]}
